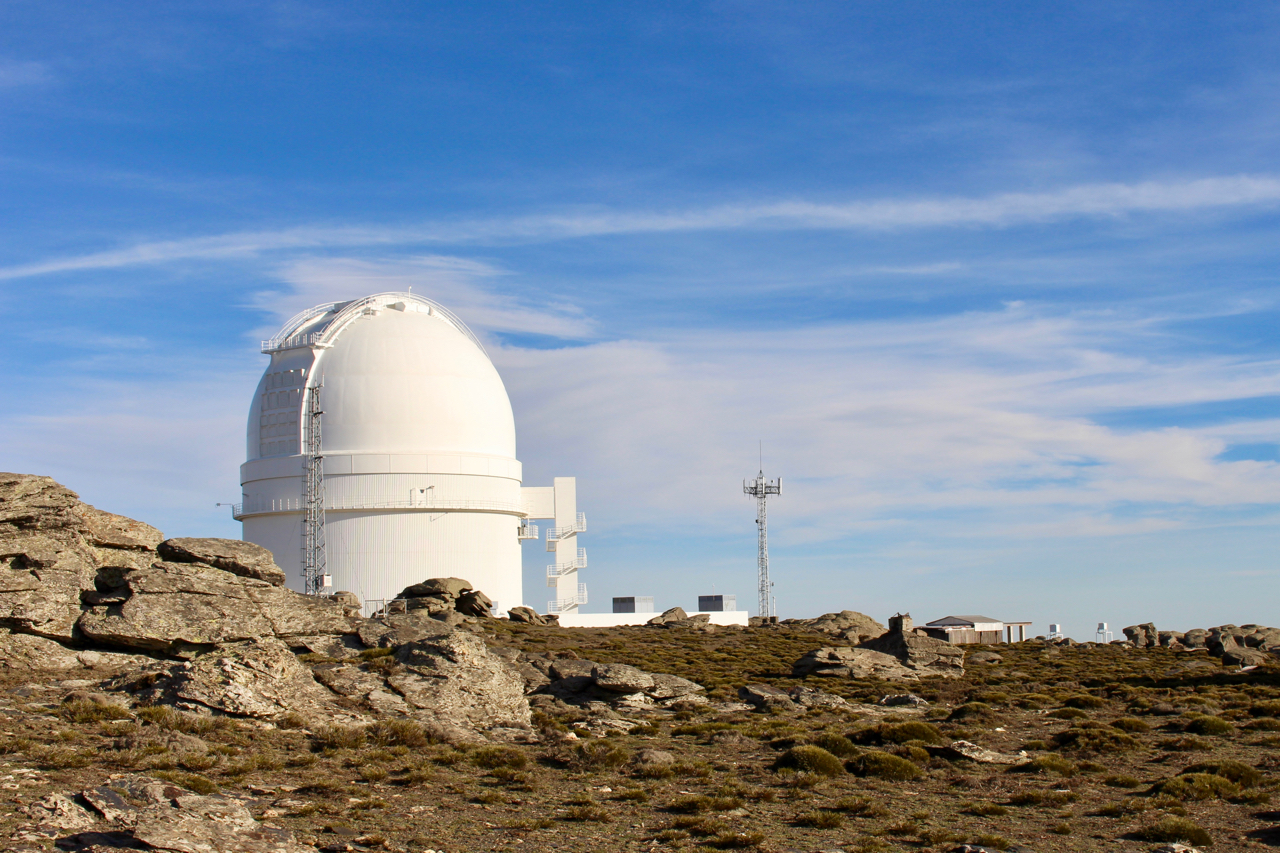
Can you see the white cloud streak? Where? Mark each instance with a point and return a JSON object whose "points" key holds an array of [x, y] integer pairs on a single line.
{"points": [[994, 211]]}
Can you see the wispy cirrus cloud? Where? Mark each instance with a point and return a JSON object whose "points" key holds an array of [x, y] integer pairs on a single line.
{"points": [[993, 211], [17, 73], [460, 283]]}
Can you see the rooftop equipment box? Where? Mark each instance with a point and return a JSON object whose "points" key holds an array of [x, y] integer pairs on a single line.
{"points": [[717, 603], [633, 604]]}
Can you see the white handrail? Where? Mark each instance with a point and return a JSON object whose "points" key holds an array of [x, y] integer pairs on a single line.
{"points": [[262, 506], [580, 526], [560, 569]]}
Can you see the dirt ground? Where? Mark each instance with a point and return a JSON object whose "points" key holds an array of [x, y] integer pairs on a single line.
{"points": [[1111, 732]]}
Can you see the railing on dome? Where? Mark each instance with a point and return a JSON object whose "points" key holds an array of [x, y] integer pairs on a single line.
{"points": [[262, 507], [288, 338], [560, 605]]}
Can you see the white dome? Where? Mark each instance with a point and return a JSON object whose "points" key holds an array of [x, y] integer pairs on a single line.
{"points": [[401, 376]]}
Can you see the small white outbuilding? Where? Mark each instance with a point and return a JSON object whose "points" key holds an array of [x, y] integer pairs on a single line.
{"points": [[418, 453]]}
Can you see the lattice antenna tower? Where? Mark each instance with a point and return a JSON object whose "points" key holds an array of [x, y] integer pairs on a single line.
{"points": [[760, 489], [315, 573]]}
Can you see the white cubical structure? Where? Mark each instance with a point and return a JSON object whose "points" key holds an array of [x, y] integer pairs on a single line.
{"points": [[415, 443]]}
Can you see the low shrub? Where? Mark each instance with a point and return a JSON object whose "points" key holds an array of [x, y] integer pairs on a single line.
{"points": [[399, 733], [985, 810], [1068, 714], [900, 733], [89, 711], [999, 842], [860, 807], [1132, 725], [1091, 739], [1264, 724], [737, 840], [1174, 828], [339, 737], [973, 712], [838, 745], [1050, 763], [1187, 743], [1198, 786], [596, 755], [1206, 724], [1084, 700], [1238, 772], [1122, 781], [812, 759], [490, 757], [882, 765]]}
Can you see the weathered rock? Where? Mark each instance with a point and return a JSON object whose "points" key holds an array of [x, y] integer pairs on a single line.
{"points": [[985, 657], [619, 678], [982, 755], [259, 678], [672, 686], [767, 698], [674, 614], [1143, 636], [1195, 638], [1246, 657], [171, 607], [400, 628], [901, 699], [450, 588], [845, 662], [231, 555], [529, 616], [475, 603], [647, 759], [455, 682], [849, 623], [808, 697], [923, 655], [348, 601], [51, 546]]}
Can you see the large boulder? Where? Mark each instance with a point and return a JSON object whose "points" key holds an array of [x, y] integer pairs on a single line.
{"points": [[674, 615], [1143, 636], [455, 682], [922, 654], [231, 555], [30, 653], [173, 608], [260, 678], [51, 547], [144, 813], [844, 662], [529, 616], [850, 624]]}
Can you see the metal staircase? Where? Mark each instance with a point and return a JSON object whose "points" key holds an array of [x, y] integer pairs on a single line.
{"points": [[562, 604], [559, 570], [555, 534]]}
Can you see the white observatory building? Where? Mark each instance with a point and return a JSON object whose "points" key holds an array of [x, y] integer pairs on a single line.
{"points": [[382, 452]]}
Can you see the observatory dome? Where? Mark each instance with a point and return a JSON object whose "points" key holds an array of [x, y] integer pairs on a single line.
{"points": [[382, 452]]}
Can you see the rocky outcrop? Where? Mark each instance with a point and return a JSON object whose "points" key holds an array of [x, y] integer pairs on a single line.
{"points": [[440, 596], [677, 616], [260, 678], [768, 698], [847, 624], [27, 653], [529, 616], [845, 662], [143, 813], [51, 548], [582, 682], [453, 681], [917, 652], [231, 555], [1237, 645], [1142, 636], [173, 608]]}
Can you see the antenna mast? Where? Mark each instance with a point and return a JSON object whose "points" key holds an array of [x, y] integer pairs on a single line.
{"points": [[760, 489], [315, 574]]}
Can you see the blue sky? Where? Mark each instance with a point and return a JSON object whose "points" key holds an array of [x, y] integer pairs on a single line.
{"points": [[994, 283]]}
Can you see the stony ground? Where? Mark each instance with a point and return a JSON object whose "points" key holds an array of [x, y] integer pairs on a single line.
{"points": [[1111, 732]]}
